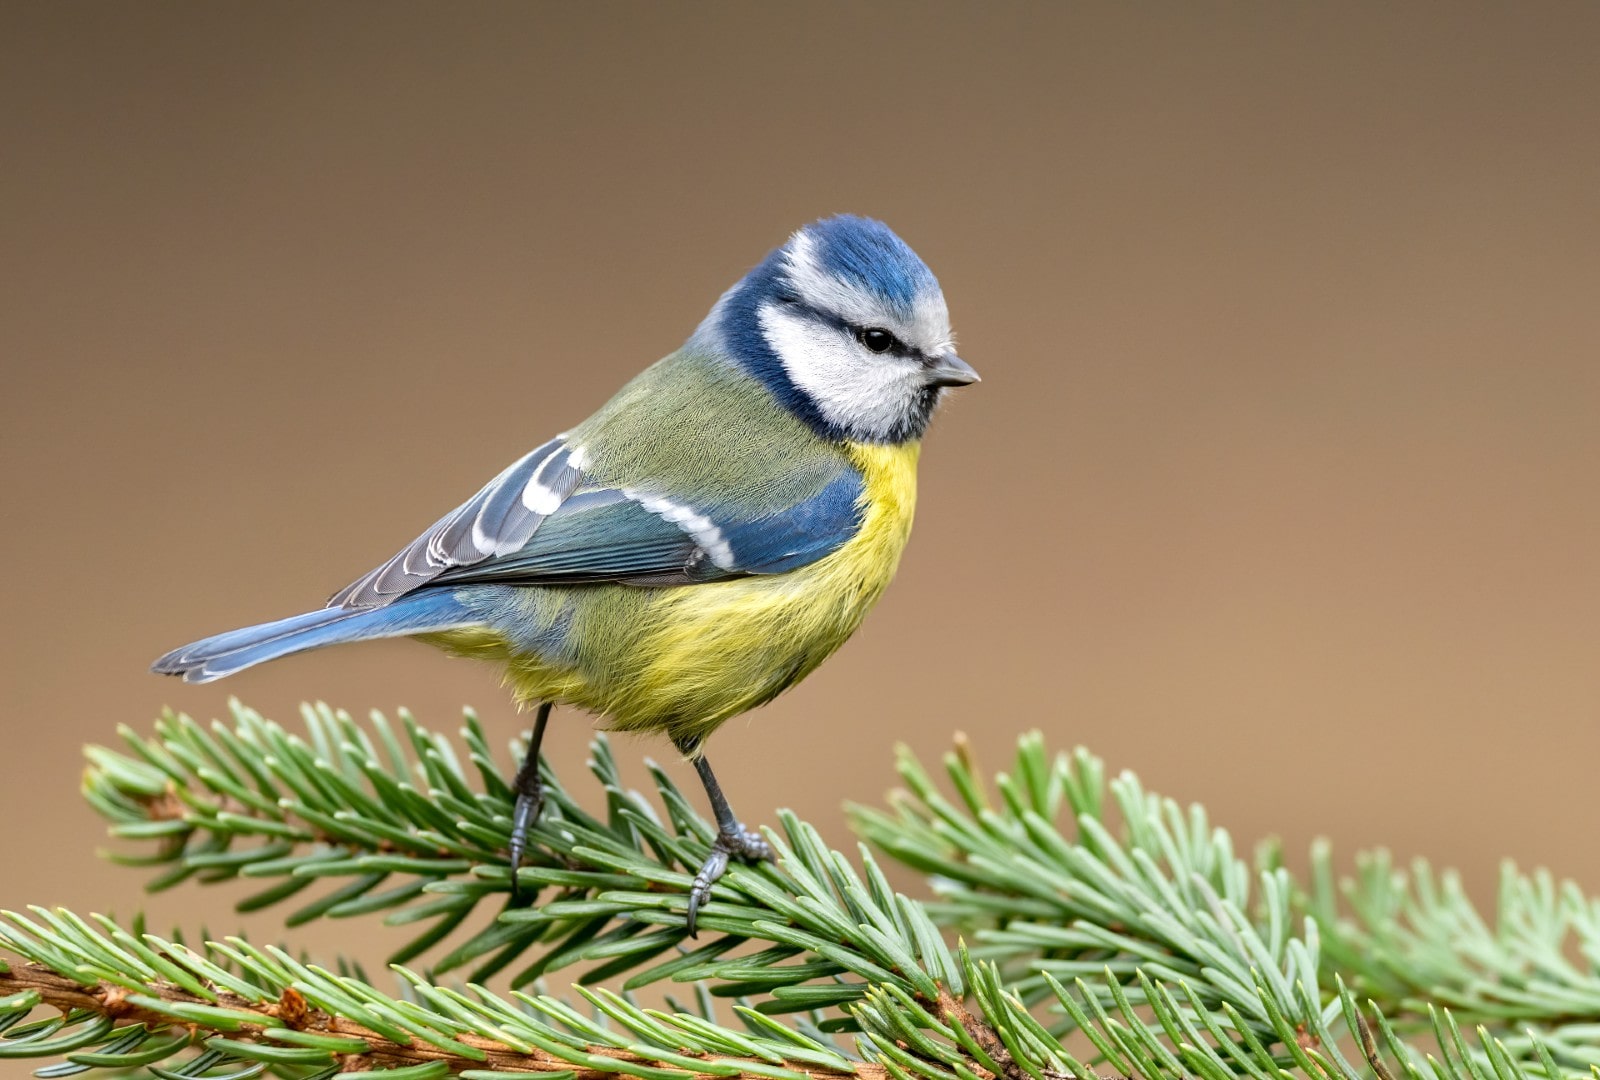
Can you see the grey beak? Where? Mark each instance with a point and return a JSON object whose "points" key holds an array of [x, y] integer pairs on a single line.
{"points": [[951, 370]]}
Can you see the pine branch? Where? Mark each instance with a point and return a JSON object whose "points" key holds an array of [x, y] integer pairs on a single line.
{"points": [[1169, 900], [152, 1000], [242, 1004], [1170, 954], [1413, 937], [616, 889], [368, 806], [289, 1031], [138, 1002]]}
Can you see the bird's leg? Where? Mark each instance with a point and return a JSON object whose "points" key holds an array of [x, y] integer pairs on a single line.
{"points": [[732, 839], [529, 789]]}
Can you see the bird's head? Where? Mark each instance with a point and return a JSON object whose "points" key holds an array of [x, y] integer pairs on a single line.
{"points": [[848, 329]]}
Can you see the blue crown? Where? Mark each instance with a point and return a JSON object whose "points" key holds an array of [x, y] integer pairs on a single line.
{"points": [[866, 253]]}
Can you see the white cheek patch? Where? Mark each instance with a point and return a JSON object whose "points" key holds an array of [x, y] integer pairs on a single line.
{"points": [[869, 396]]}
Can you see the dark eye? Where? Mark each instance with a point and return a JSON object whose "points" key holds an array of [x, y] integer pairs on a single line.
{"points": [[876, 339]]}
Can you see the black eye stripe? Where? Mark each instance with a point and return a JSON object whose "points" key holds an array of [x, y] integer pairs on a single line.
{"points": [[897, 347], [876, 339]]}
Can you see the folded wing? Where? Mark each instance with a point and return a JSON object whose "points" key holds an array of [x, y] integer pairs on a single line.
{"points": [[539, 523], [638, 536], [500, 519]]}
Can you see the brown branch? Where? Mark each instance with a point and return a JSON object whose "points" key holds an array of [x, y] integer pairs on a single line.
{"points": [[292, 1011], [952, 1010]]}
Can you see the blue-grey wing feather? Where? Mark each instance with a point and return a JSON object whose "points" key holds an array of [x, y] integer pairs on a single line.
{"points": [[535, 524], [595, 536], [645, 537], [501, 518], [798, 535]]}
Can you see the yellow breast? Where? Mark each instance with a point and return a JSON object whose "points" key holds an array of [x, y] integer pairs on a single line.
{"points": [[722, 648], [683, 660]]}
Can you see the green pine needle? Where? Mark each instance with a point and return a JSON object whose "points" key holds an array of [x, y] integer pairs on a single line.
{"points": [[1110, 930]]}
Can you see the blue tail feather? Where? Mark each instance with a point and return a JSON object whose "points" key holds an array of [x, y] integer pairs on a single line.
{"points": [[221, 655]]}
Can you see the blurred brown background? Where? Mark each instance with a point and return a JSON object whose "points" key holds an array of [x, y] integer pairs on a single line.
{"points": [[1280, 487]]}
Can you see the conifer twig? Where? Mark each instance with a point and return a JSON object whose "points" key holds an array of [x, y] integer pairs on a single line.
{"points": [[1093, 907], [291, 1013]]}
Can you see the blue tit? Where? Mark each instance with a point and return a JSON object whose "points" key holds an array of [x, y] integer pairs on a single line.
{"points": [[702, 542]]}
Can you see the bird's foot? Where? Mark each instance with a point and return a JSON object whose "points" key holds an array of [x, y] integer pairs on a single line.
{"points": [[738, 841], [530, 800]]}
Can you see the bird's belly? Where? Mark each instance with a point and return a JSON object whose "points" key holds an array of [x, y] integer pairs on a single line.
{"points": [[682, 660]]}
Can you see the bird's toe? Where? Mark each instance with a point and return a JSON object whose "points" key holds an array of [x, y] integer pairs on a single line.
{"points": [[738, 842]]}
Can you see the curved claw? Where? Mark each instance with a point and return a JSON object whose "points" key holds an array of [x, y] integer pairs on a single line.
{"points": [[714, 867], [747, 845]]}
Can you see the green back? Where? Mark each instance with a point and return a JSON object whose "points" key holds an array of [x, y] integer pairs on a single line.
{"points": [[694, 426]]}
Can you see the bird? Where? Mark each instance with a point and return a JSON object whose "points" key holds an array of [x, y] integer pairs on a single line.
{"points": [[698, 545]]}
